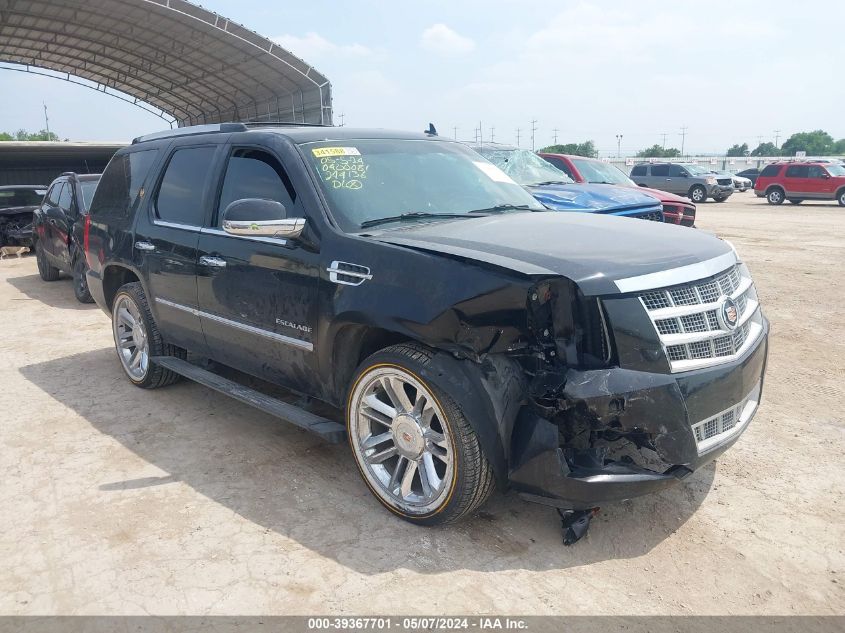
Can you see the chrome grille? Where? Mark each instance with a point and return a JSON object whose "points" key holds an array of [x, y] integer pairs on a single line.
{"points": [[716, 429], [687, 320]]}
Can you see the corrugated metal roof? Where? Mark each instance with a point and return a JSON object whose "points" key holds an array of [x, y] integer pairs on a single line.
{"points": [[188, 62]]}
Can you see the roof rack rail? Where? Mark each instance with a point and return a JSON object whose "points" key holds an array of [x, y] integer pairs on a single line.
{"points": [[234, 126], [282, 124]]}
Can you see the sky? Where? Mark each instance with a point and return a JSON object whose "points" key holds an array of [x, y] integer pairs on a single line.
{"points": [[728, 72]]}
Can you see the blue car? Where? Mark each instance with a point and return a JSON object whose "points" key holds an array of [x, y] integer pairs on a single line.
{"points": [[558, 191]]}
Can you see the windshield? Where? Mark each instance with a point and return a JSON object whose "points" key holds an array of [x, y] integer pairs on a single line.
{"points": [[372, 179], [524, 166], [21, 197], [603, 173], [88, 187], [695, 170], [835, 170]]}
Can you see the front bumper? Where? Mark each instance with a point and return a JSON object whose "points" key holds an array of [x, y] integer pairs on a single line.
{"points": [[720, 191], [663, 407]]}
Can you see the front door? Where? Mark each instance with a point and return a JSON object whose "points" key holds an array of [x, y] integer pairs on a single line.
{"points": [[166, 239], [820, 184], [258, 295]]}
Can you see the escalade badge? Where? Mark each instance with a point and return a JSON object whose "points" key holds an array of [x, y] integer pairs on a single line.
{"points": [[728, 313]]}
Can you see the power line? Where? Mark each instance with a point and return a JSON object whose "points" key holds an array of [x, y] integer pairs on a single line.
{"points": [[341, 116], [777, 137], [664, 135], [533, 129], [555, 130], [46, 120]]}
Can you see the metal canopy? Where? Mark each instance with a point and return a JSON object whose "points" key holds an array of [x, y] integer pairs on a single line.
{"points": [[192, 65]]}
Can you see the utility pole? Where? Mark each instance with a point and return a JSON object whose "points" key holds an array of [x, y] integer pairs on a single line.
{"points": [[533, 129], [480, 134], [492, 130], [341, 116], [555, 134], [618, 146], [664, 135], [455, 132], [777, 138], [46, 120], [517, 136], [683, 138]]}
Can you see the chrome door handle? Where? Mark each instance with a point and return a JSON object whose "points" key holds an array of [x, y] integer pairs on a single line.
{"points": [[144, 246], [216, 262]]}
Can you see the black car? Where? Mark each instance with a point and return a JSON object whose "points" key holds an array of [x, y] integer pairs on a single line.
{"points": [[17, 202], [467, 338], [751, 174], [58, 227]]}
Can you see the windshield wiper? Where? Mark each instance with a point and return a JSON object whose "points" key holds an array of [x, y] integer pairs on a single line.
{"points": [[551, 182], [501, 208], [411, 215]]}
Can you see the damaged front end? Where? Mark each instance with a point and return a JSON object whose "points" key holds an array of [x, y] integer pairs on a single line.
{"points": [[608, 418]]}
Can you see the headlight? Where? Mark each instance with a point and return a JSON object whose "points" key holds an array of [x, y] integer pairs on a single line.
{"points": [[711, 181]]}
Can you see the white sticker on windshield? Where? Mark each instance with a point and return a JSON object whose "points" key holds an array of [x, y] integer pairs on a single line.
{"points": [[493, 172], [321, 152]]}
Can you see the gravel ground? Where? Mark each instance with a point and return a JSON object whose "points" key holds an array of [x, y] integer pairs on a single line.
{"points": [[117, 500]]}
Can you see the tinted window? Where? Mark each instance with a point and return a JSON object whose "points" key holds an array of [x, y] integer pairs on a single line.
{"points": [[797, 171], [816, 171], [120, 185], [182, 190], [677, 171], [660, 170], [66, 197], [560, 164], [255, 174], [770, 170], [87, 189], [639, 170], [54, 194]]}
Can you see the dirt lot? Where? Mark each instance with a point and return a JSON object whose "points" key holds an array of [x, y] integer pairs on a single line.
{"points": [[122, 501]]}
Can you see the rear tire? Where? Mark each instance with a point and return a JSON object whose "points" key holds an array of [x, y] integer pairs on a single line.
{"points": [[137, 339], [775, 196], [47, 272], [80, 281], [841, 198], [698, 194], [414, 448]]}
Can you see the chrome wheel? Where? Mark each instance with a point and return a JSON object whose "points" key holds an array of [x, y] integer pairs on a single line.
{"points": [[130, 338], [401, 440], [775, 196], [699, 195]]}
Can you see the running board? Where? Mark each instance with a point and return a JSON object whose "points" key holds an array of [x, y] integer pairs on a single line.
{"points": [[327, 429]]}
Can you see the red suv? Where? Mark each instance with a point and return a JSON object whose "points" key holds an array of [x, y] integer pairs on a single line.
{"points": [[799, 181], [676, 210]]}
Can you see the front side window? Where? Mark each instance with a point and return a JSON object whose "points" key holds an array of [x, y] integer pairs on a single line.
{"points": [[254, 173], [181, 195], [373, 179], [660, 170], [817, 172], [677, 171], [770, 171], [54, 194], [66, 198]]}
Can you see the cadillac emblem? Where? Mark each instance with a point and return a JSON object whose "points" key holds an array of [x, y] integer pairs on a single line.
{"points": [[728, 313]]}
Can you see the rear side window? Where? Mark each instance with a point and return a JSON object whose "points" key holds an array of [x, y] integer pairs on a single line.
{"points": [[677, 171], [639, 170], [770, 171], [253, 173], [797, 171], [121, 183], [182, 191], [660, 170]]}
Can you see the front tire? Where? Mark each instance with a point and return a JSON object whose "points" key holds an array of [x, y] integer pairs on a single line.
{"points": [[45, 270], [796, 200], [137, 339], [775, 196], [698, 194], [80, 281], [414, 448], [841, 198], [720, 199]]}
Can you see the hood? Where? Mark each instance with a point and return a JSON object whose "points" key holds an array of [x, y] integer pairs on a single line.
{"points": [[594, 251], [591, 198], [665, 196], [18, 210]]}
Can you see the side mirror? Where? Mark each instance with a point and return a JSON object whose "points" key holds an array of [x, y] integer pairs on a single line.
{"points": [[261, 218], [825, 175]]}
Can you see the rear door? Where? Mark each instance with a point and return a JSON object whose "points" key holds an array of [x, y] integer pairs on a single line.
{"points": [[796, 181], [258, 295], [166, 237], [61, 220], [47, 217]]}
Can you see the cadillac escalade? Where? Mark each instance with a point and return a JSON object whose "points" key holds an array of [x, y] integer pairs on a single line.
{"points": [[466, 338]]}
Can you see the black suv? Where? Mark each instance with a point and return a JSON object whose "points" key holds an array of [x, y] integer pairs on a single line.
{"points": [[465, 337], [58, 228]]}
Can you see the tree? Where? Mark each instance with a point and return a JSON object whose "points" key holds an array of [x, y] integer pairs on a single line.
{"points": [[839, 147], [23, 135], [766, 149], [815, 143], [587, 148], [658, 151], [738, 150]]}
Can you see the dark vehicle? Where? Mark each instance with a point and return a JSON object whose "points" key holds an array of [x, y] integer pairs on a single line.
{"points": [[676, 210], [751, 174], [557, 191], [801, 180], [58, 228], [17, 202], [468, 338]]}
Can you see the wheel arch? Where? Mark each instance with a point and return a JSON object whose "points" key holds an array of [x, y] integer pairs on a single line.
{"points": [[114, 276], [775, 186], [840, 191]]}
